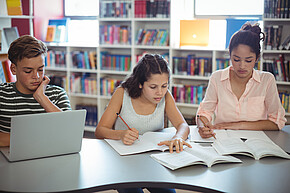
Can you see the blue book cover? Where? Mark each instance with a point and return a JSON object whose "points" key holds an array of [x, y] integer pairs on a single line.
{"points": [[234, 25]]}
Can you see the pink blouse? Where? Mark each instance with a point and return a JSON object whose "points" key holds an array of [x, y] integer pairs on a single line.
{"points": [[260, 100]]}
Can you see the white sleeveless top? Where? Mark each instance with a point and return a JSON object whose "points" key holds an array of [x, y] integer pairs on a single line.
{"points": [[142, 123]]}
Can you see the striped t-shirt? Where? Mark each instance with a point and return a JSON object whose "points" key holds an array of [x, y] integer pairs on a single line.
{"points": [[12, 103]]}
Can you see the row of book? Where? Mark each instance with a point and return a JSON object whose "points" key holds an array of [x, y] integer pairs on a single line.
{"points": [[222, 63], [285, 100], [152, 37], [55, 58], [84, 59], [119, 9], [108, 86], [188, 93], [192, 65], [92, 114], [115, 34], [115, 62], [276, 9], [280, 68], [152, 8], [84, 84], [273, 40]]}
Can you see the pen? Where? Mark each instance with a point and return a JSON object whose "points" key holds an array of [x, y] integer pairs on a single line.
{"points": [[123, 120], [205, 124]]}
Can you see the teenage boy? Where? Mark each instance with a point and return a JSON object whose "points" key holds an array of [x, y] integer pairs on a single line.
{"points": [[30, 93]]}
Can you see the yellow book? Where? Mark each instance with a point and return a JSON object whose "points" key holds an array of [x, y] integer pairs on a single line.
{"points": [[14, 7]]}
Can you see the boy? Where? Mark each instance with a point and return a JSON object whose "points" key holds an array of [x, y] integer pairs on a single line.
{"points": [[30, 93]]}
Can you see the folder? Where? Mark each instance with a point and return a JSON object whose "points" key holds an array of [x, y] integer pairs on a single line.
{"points": [[194, 32]]}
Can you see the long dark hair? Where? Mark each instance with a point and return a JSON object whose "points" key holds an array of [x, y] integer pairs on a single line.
{"points": [[149, 64], [249, 35]]}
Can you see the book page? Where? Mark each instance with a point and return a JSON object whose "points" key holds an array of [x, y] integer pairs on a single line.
{"points": [[247, 134], [263, 148], [209, 155], [232, 146], [195, 136], [146, 142], [176, 160]]}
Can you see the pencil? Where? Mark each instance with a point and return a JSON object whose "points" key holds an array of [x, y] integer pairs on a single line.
{"points": [[205, 125], [123, 120]]}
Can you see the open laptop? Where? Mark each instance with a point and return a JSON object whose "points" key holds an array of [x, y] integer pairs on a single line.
{"points": [[45, 134]]}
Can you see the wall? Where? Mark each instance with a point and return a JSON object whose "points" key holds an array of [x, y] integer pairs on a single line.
{"points": [[43, 11]]}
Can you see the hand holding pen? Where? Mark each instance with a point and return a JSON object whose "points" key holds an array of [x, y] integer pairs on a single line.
{"points": [[206, 131], [130, 135]]}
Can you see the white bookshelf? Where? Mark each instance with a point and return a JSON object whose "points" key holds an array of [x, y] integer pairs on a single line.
{"points": [[172, 24]]}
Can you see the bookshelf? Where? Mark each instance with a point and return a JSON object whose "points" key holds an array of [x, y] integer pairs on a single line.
{"points": [[276, 49], [128, 47], [6, 21]]}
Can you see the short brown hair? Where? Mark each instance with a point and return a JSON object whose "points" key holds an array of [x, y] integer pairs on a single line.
{"points": [[25, 47]]}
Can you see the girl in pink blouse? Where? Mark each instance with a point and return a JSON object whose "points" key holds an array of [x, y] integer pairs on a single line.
{"points": [[239, 96]]}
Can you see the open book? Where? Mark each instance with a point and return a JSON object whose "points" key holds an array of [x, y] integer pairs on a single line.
{"points": [[146, 142], [256, 148], [191, 156], [223, 134]]}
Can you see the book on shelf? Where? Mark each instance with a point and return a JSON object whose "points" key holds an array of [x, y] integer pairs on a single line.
{"points": [[115, 61], [2, 75], [256, 148], [9, 77], [10, 34], [276, 9], [279, 67], [188, 93], [50, 33], [115, 34], [108, 86], [117, 9], [92, 114], [59, 80], [273, 37], [285, 100], [14, 7], [84, 83], [57, 30], [146, 142], [192, 156], [152, 8], [55, 58]]}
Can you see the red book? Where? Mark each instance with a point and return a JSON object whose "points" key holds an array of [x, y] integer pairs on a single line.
{"points": [[8, 74]]}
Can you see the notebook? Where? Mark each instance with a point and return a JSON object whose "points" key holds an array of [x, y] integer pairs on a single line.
{"points": [[45, 134]]}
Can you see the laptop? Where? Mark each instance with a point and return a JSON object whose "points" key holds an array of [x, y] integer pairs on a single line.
{"points": [[45, 134]]}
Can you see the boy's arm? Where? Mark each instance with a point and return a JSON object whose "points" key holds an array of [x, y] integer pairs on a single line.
{"points": [[42, 99], [4, 139]]}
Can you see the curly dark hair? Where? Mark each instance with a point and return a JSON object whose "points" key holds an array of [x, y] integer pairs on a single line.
{"points": [[25, 47], [249, 35], [149, 64]]}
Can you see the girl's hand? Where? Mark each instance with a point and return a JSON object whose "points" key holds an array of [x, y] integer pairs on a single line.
{"points": [[176, 142], [129, 136], [206, 132]]}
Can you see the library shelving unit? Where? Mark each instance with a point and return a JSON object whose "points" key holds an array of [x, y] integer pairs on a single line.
{"points": [[129, 18], [276, 49], [6, 21]]}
